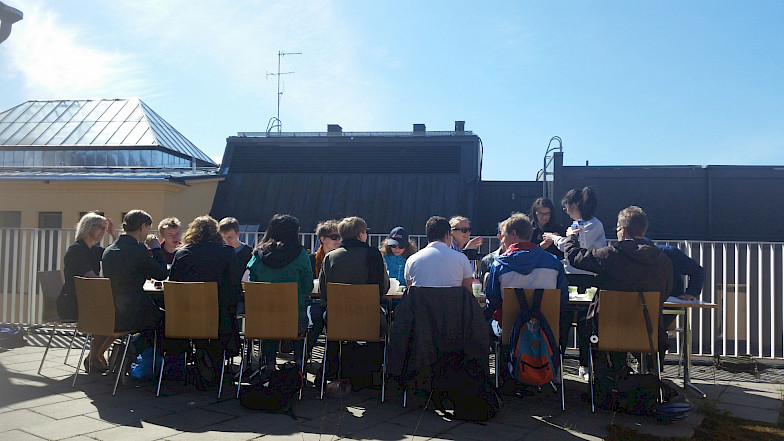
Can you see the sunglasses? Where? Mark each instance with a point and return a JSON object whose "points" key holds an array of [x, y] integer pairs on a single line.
{"points": [[462, 230], [333, 236], [397, 246]]}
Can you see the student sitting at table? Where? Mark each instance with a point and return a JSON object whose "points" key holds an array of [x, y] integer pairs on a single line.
{"points": [[396, 249], [438, 264], [523, 265], [329, 239], [280, 258], [205, 258], [170, 236], [683, 265], [631, 264], [229, 230]]}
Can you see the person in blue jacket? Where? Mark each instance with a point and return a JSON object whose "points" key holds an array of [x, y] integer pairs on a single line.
{"points": [[396, 249], [683, 265]]}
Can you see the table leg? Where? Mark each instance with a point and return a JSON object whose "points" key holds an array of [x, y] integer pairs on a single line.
{"points": [[687, 348]]}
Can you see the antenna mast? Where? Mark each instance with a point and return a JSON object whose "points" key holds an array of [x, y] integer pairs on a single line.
{"points": [[275, 120]]}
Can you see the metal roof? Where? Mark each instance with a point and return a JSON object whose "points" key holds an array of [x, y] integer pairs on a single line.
{"points": [[93, 123]]}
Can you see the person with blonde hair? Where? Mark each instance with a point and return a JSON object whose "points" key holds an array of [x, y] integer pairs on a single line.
{"points": [[170, 236], [83, 258], [461, 237], [204, 257]]}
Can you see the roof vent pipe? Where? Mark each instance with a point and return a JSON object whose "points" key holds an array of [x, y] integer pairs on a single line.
{"points": [[459, 126], [419, 128], [334, 129]]}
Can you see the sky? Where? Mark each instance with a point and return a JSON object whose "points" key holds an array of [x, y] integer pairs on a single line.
{"points": [[620, 82]]}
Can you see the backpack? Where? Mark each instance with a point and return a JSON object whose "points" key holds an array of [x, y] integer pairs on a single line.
{"points": [[277, 393], [12, 336], [464, 387], [534, 354]]}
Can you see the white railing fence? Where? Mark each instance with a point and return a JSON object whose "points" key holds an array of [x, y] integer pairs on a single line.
{"points": [[746, 280]]}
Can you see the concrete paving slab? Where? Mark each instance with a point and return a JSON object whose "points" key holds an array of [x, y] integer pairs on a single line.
{"points": [[21, 418], [128, 416], [66, 428], [191, 419], [750, 413], [147, 431], [18, 435]]}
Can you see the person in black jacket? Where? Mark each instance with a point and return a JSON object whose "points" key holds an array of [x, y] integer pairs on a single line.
{"points": [[83, 259], [205, 258], [229, 229], [543, 218], [128, 263]]}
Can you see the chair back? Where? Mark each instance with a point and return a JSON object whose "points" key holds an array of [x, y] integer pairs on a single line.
{"points": [[622, 323], [271, 311], [51, 283], [353, 313], [96, 305], [191, 309], [551, 310]]}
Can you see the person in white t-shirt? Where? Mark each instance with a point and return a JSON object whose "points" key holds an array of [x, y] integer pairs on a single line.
{"points": [[438, 264]]}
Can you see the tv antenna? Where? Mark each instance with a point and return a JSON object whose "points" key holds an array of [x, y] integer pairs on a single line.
{"points": [[275, 120]]}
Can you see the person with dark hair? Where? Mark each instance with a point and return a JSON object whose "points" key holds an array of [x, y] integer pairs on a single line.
{"points": [[542, 215], [83, 258], [396, 249], [204, 257], [281, 258], [128, 263], [438, 264], [229, 229], [631, 264]]}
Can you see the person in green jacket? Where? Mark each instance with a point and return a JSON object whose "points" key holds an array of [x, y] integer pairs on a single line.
{"points": [[281, 258]]}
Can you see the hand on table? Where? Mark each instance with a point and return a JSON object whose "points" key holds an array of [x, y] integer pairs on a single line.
{"points": [[688, 298]]}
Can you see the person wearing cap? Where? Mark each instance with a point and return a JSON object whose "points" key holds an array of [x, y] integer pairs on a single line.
{"points": [[396, 249]]}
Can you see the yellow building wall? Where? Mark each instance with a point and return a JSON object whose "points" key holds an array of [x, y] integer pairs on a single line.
{"points": [[158, 198]]}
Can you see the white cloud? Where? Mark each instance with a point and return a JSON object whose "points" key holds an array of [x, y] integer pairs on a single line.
{"points": [[55, 60]]}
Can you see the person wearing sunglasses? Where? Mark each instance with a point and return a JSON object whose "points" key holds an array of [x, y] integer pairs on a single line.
{"points": [[396, 249], [461, 237], [329, 238]]}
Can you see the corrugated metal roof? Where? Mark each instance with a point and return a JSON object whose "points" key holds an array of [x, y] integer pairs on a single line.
{"points": [[95, 123]]}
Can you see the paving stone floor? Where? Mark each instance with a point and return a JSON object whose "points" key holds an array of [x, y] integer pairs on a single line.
{"points": [[45, 406]]}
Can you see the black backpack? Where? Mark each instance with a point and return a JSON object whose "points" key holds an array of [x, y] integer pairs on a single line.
{"points": [[277, 393], [462, 389]]}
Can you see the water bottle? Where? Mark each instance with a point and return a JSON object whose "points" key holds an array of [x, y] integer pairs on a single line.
{"points": [[576, 225]]}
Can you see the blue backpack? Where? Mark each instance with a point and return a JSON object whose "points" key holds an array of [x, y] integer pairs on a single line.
{"points": [[534, 354]]}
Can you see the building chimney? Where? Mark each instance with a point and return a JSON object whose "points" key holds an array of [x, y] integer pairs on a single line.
{"points": [[459, 126], [334, 129], [419, 128]]}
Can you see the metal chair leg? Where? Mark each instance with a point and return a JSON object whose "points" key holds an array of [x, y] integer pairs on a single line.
{"points": [[384, 370], [223, 369], [84, 346], [324, 364], [304, 357], [590, 377], [563, 396], [160, 376], [67, 354], [120, 369], [48, 345]]}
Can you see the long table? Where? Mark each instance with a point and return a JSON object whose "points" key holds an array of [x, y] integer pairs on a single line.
{"points": [[670, 307]]}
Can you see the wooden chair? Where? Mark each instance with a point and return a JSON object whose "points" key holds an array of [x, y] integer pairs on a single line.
{"points": [[96, 316], [551, 310], [192, 312], [622, 326], [271, 313], [353, 314], [51, 283]]}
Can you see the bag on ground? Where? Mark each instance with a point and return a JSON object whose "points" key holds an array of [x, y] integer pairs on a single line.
{"points": [[277, 393], [12, 336], [533, 352], [462, 390]]}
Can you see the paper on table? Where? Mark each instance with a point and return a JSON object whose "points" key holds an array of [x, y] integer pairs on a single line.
{"points": [[673, 299]]}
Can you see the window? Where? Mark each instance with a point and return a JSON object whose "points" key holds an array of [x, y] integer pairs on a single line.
{"points": [[10, 219], [50, 219]]}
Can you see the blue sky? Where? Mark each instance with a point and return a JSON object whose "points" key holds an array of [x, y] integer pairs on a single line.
{"points": [[621, 82]]}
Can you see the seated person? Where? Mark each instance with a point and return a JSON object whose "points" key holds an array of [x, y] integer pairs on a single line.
{"points": [[205, 258], [632, 264], [683, 265], [523, 265], [280, 258], [229, 229], [438, 264], [329, 239], [170, 236], [397, 248]]}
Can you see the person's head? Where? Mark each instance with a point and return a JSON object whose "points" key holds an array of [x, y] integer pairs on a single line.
{"points": [[580, 204], [203, 229], [632, 223], [137, 223], [229, 229], [91, 227], [328, 235], [169, 231], [398, 244], [353, 228], [516, 228], [282, 230], [437, 228], [542, 211], [461, 229]]}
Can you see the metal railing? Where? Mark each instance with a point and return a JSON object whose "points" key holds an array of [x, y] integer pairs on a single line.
{"points": [[745, 280]]}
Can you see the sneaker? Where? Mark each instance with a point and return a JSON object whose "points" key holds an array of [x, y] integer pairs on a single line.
{"points": [[583, 373]]}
